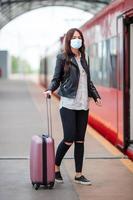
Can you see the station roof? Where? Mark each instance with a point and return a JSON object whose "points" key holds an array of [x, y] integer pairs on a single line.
{"points": [[10, 9]]}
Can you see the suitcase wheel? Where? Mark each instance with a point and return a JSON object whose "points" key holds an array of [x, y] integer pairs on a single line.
{"points": [[36, 186]]}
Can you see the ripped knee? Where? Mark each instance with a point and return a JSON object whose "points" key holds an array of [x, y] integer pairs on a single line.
{"points": [[68, 143]]}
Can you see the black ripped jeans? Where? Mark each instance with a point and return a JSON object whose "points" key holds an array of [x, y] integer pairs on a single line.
{"points": [[74, 124]]}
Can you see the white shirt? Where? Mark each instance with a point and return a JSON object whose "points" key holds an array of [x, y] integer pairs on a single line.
{"points": [[81, 101]]}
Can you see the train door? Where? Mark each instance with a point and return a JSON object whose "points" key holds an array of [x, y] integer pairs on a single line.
{"points": [[128, 28], [131, 83], [125, 79], [120, 86]]}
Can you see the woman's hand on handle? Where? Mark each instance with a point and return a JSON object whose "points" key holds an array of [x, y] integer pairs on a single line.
{"points": [[98, 102], [47, 93]]}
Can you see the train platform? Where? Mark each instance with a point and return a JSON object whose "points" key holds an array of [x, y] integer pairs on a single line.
{"points": [[22, 115]]}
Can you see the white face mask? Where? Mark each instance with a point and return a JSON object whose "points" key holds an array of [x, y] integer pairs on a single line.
{"points": [[76, 43]]}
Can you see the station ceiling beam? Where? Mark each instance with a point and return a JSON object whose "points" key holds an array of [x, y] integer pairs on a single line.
{"points": [[10, 9]]}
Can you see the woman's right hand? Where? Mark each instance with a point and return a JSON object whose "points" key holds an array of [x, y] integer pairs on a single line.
{"points": [[47, 93]]}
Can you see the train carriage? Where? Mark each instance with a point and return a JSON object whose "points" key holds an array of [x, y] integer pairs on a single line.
{"points": [[109, 42]]}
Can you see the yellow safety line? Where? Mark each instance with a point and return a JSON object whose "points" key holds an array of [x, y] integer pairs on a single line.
{"points": [[112, 149]]}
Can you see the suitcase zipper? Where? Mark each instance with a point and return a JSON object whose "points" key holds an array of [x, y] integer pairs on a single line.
{"points": [[44, 158]]}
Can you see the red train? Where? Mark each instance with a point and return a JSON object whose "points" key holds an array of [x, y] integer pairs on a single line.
{"points": [[109, 43]]}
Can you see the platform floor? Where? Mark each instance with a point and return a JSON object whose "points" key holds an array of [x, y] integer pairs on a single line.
{"points": [[22, 114]]}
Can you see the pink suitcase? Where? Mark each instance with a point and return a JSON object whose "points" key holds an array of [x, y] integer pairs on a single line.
{"points": [[42, 157]]}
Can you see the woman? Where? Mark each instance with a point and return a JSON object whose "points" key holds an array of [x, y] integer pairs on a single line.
{"points": [[72, 74]]}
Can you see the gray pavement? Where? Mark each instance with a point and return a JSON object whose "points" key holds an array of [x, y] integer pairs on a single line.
{"points": [[15, 184], [22, 114]]}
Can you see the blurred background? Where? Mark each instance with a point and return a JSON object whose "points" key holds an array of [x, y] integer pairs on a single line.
{"points": [[27, 37]]}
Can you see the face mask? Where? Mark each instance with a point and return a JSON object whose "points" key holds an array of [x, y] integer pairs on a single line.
{"points": [[76, 43]]}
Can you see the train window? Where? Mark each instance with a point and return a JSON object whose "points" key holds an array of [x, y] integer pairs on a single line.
{"points": [[100, 62], [112, 56], [93, 63], [109, 63], [103, 62], [95, 54], [92, 52]]}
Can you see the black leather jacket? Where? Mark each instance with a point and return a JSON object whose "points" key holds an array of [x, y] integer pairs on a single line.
{"points": [[68, 81]]}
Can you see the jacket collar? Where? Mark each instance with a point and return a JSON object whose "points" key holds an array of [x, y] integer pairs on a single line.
{"points": [[73, 60], [83, 63]]}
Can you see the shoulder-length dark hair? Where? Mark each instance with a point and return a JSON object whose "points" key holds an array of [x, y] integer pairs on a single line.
{"points": [[67, 48]]}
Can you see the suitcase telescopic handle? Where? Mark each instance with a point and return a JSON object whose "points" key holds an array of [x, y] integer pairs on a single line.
{"points": [[49, 117]]}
